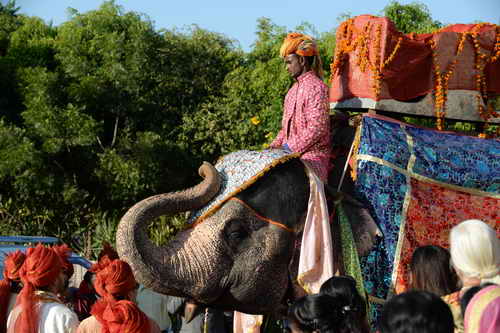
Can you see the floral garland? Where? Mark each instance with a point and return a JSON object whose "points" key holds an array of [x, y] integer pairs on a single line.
{"points": [[441, 79], [352, 40], [480, 61], [346, 44], [375, 67]]}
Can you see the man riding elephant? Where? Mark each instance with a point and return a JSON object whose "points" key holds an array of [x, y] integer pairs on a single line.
{"points": [[306, 122]]}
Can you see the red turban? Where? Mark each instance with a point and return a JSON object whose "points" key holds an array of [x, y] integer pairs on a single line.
{"points": [[106, 255], [107, 250], [13, 262], [300, 44], [115, 280], [121, 316], [40, 269], [64, 252]]}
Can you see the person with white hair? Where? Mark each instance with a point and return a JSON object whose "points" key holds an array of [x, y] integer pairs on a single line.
{"points": [[475, 253], [475, 256]]}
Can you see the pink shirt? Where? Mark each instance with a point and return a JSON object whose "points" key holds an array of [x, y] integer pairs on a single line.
{"points": [[305, 127]]}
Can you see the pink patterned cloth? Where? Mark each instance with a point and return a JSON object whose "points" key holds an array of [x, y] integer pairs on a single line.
{"points": [[316, 251], [305, 127], [483, 312]]}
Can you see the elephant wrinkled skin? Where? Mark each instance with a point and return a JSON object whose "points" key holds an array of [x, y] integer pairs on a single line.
{"points": [[233, 259]]}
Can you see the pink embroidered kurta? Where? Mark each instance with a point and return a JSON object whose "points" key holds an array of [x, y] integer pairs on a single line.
{"points": [[305, 127]]}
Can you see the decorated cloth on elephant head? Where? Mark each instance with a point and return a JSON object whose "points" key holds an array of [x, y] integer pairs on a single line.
{"points": [[238, 171], [241, 169]]}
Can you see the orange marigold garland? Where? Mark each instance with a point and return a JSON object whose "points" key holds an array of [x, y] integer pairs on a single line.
{"points": [[376, 66], [393, 54], [480, 60], [363, 55], [485, 110], [439, 95], [354, 40], [496, 50]]}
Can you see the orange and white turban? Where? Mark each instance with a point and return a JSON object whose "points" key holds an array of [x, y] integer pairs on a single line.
{"points": [[300, 44], [41, 268]]}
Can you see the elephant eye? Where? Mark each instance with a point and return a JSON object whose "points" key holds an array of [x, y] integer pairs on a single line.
{"points": [[237, 234], [235, 231]]}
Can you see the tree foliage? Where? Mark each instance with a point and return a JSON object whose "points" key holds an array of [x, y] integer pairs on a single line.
{"points": [[413, 17], [104, 110], [91, 114]]}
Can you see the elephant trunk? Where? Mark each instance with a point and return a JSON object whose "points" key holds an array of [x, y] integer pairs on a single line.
{"points": [[147, 260]]}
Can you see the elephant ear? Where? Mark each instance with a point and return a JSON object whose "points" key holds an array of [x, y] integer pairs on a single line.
{"points": [[364, 228]]}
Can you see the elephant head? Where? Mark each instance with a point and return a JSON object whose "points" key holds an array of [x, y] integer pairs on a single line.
{"points": [[238, 257]]}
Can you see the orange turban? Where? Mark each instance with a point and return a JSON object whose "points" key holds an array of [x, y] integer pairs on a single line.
{"points": [[13, 262], [300, 44], [121, 316], [115, 280], [40, 269], [64, 252], [106, 255]]}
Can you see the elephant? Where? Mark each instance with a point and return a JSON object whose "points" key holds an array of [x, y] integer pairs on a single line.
{"points": [[235, 259]]}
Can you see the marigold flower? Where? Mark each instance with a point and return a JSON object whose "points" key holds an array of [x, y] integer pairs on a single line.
{"points": [[255, 120]]}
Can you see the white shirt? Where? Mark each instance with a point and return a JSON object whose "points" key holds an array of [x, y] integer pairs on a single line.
{"points": [[154, 305], [54, 318], [12, 303]]}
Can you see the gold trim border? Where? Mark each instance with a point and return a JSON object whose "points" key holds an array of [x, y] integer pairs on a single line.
{"points": [[406, 204], [369, 158], [244, 186]]}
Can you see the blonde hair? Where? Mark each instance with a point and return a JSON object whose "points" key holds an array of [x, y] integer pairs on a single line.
{"points": [[475, 250]]}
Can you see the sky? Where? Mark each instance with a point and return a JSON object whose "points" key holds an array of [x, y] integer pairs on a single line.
{"points": [[237, 18]]}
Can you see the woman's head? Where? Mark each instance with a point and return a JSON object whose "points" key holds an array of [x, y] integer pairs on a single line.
{"points": [[475, 251], [344, 287], [431, 271], [416, 312], [313, 313], [324, 314]]}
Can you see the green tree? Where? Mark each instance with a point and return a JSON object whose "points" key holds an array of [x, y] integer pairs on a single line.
{"points": [[100, 101], [413, 17]]}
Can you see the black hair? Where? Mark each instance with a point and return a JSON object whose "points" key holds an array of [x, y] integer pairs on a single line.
{"points": [[314, 62], [344, 289], [15, 286], [88, 277], [467, 296], [431, 271], [416, 312], [322, 313]]}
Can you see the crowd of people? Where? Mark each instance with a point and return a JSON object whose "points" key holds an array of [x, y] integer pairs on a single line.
{"points": [[456, 291], [35, 296]]}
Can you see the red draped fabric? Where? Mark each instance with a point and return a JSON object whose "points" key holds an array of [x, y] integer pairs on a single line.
{"points": [[366, 42]]}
